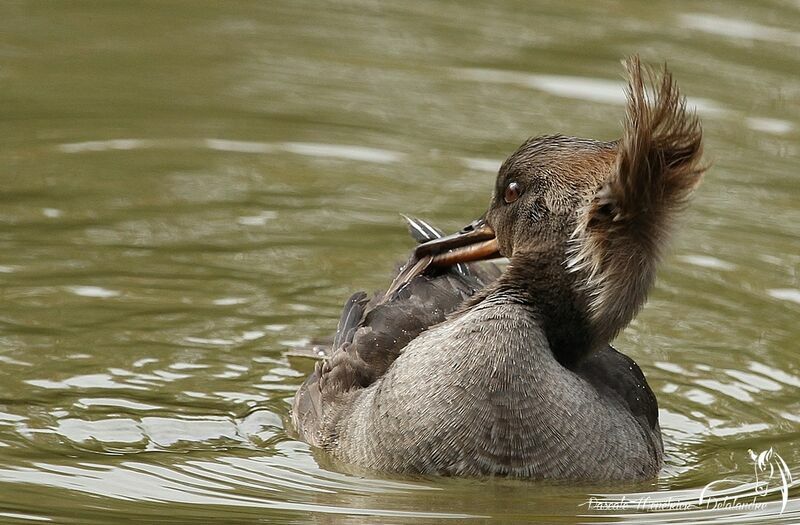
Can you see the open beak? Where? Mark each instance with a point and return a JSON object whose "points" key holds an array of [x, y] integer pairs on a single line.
{"points": [[475, 242]]}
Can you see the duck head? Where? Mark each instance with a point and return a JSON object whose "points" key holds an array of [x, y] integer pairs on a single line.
{"points": [[588, 219]]}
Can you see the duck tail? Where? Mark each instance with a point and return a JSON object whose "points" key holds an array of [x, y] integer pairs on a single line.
{"points": [[352, 315]]}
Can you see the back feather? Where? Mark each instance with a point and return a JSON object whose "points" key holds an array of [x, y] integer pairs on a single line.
{"points": [[372, 333]]}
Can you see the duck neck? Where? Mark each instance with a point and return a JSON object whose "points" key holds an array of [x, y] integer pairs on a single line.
{"points": [[541, 282]]}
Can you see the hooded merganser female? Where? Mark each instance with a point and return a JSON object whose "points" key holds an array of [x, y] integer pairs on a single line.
{"points": [[461, 370]]}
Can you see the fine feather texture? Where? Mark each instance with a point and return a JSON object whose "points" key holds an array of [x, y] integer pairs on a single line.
{"points": [[621, 232], [372, 333]]}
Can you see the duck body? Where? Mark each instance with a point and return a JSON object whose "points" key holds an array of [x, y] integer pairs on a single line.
{"points": [[461, 369], [508, 408], [476, 392]]}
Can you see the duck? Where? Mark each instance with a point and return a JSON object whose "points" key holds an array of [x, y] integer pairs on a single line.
{"points": [[465, 368]]}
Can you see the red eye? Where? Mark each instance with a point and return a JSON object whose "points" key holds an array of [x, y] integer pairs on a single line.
{"points": [[513, 191]]}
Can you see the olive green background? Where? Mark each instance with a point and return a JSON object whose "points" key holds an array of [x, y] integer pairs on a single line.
{"points": [[189, 189]]}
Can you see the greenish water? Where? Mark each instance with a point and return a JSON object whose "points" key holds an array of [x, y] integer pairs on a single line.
{"points": [[190, 189]]}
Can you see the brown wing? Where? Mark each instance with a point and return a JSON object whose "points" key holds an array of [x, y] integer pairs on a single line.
{"points": [[372, 333]]}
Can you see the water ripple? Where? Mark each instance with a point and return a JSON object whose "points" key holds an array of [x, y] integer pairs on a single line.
{"points": [[308, 149]]}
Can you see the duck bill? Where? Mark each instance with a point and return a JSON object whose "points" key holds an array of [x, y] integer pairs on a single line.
{"points": [[475, 242]]}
